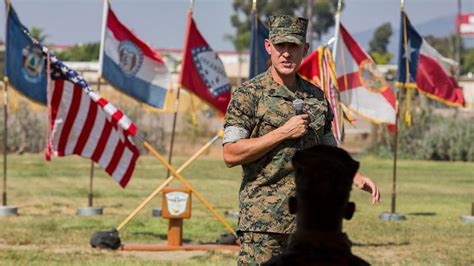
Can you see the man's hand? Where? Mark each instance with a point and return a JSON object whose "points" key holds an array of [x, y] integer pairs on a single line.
{"points": [[295, 127], [368, 185]]}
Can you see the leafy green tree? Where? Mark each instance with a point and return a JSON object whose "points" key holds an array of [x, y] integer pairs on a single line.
{"points": [[444, 45], [381, 58], [81, 52], [467, 61], [322, 20], [38, 34], [378, 44]]}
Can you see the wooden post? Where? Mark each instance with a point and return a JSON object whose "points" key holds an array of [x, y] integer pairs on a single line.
{"points": [[175, 232], [176, 207]]}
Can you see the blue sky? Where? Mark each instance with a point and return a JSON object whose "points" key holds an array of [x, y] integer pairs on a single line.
{"points": [[162, 23]]}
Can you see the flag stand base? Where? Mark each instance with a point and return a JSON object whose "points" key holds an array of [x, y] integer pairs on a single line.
{"points": [[389, 216], [8, 211], [152, 247], [467, 219], [89, 211]]}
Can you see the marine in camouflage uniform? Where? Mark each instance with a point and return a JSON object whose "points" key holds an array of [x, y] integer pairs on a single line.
{"points": [[257, 108]]}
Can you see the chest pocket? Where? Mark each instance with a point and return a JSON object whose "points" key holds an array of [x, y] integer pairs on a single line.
{"points": [[317, 111], [273, 112]]}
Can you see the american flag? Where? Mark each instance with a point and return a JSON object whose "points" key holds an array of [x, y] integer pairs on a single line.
{"points": [[85, 124]]}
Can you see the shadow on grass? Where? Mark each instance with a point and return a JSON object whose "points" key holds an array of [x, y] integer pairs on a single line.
{"points": [[388, 244], [422, 213], [158, 236]]}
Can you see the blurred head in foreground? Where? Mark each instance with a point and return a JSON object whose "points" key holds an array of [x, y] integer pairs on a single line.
{"points": [[324, 177]]}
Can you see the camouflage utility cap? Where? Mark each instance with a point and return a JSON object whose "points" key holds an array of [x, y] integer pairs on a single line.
{"points": [[285, 28]]}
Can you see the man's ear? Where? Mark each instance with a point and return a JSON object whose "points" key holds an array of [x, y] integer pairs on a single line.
{"points": [[268, 46], [349, 211], [293, 205], [306, 49]]}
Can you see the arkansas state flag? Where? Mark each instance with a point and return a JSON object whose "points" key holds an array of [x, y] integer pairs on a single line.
{"points": [[24, 62], [131, 66], [202, 70], [259, 58], [429, 72]]}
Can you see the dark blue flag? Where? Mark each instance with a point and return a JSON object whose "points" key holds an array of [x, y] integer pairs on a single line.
{"points": [[258, 55], [24, 61]]}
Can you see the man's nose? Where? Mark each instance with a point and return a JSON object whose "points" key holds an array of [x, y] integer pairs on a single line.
{"points": [[285, 52]]}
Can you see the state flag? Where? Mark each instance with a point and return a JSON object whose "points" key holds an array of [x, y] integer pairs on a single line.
{"points": [[202, 71], [429, 72], [259, 59], [24, 62], [364, 89], [131, 66]]}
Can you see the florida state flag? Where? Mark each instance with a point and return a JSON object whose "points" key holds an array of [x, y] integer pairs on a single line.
{"points": [[202, 71], [363, 88]]}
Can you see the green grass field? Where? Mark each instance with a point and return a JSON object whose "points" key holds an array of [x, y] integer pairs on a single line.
{"points": [[432, 195]]}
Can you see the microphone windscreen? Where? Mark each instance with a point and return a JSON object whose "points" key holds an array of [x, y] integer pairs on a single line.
{"points": [[298, 104]]}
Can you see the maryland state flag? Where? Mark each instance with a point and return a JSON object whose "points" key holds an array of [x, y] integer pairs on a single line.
{"points": [[24, 62], [202, 71], [259, 58], [428, 71]]}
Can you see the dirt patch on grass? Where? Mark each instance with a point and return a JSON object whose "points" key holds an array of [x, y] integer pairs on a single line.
{"points": [[164, 255]]}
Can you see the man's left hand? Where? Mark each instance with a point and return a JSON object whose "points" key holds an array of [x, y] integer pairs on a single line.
{"points": [[368, 185]]}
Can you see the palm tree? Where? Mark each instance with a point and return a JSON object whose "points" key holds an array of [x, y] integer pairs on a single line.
{"points": [[38, 34]]}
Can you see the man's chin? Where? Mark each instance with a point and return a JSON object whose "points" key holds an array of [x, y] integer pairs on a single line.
{"points": [[287, 71]]}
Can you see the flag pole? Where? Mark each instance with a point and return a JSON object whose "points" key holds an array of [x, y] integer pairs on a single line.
{"points": [[173, 131], [105, 12], [176, 109], [5, 142], [5, 118], [458, 42], [90, 209], [337, 22], [255, 35], [393, 216], [309, 16], [6, 210]]}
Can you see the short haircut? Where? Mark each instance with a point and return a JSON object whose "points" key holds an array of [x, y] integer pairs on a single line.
{"points": [[324, 176]]}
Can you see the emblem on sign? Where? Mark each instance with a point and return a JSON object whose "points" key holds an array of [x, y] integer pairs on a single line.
{"points": [[176, 202], [371, 78], [211, 69], [130, 58], [33, 63]]}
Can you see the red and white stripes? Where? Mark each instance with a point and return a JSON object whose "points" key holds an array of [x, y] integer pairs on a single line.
{"points": [[85, 124]]}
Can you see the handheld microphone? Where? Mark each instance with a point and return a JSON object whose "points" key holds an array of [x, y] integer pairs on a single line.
{"points": [[298, 105]]}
